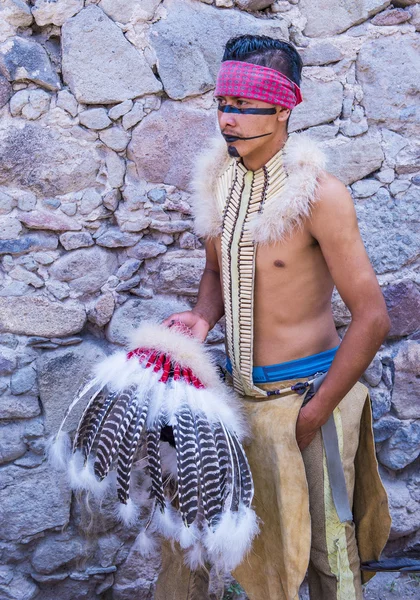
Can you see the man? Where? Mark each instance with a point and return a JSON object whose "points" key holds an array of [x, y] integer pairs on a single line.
{"points": [[280, 232]]}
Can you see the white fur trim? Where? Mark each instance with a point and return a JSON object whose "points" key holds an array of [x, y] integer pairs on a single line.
{"points": [[168, 523], [304, 161], [195, 557], [189, 536], [83, 478], [209, 166]]}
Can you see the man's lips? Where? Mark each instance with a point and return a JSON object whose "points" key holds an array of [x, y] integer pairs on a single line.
{"points": [[234, 138]]}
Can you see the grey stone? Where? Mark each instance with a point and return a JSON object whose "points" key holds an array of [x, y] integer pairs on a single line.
{"points": [[352, 128], [399, 185], [27, 277], [43, 258], [21, 407], [18, 101], [7, 203], [51, 203], [46, 505], [134, 116], [38, 104], [162, 150], [40, 219], [53, 553], [123, 12], [102, 310], [407, 382], [389, 229], [44, 160], [118, 111], [67, 102], [386, 175], [126, 286], [133, 312], [353, 159], [114, 238], [23, 381], [26, 200], [365, 188], [321, 52], [157, 195], [8, 340], [5, 91], [29, 460], [58, 289], [9, 228], [187, 241], [86, 270], [402, 448], [28, 243], [381, 400], [385, 427], [56, 13], [323, 132], [72, 240], [394, 16], [128, 268], [17, 288], [22, 59], [91, 199], [38, 316], [7, 361], [91, 40], [195, 34], [131, 220], [405, 511], [115, 138], [180, 272], [60, 374], [389, 92], [115, 166], [322, 102], [322, 22], [19, 587], [12, 445], [403, 303], [111, 200], [146, 249], [373, 373], [408, 159], [253, 4], [95, 118]]}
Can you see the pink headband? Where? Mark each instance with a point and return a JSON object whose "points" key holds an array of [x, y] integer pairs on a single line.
{"points": [[242, 79]]}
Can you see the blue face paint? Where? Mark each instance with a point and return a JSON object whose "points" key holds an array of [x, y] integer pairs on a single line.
{"points": [[228, 108]]}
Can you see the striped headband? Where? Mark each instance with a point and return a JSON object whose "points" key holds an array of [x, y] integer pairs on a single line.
{"points": [[246, 80]]}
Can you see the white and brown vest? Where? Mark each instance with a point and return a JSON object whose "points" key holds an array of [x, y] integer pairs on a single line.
{"points": [[247, 208]]}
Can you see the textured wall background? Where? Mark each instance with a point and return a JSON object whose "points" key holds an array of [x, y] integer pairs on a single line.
{"points": [[104, 106]]}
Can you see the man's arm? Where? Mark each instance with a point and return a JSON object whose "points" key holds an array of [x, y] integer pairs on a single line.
{"points": [[334, 226], [209, 308]]}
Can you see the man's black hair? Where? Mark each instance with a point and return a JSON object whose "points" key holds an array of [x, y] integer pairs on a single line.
{"points": [[266, 52]]}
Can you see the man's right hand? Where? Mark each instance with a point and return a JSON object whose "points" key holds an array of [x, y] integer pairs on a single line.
{"points": [[198, 326]]}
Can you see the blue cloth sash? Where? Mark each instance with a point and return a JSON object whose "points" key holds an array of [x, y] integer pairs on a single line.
{"points": [[292, 369]]}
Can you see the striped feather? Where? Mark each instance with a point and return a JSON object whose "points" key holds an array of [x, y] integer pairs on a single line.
{"points": [[112, 431], [236, 483], [247, 483], [154, 462], [89, 415], [127, 451], [95, 424], [187, 464], [209, 470], [222, 447]]}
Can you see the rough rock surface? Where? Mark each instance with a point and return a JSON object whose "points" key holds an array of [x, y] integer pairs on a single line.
{"points": [[159, 149], [181, 40], [91, 39], [22, 59], [322, 103], [56, 13], [86, 270], [353, 159], [406, 384], [322, 21], [33, 315]]}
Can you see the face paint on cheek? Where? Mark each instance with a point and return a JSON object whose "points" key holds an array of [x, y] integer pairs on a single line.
{"points": [[235, 138]]}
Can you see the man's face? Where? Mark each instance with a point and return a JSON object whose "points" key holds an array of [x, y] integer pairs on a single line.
{"points": [[263, 128]]}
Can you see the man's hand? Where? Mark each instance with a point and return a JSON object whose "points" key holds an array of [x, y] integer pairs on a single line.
{"points": [[306, 427], [198, 326]]}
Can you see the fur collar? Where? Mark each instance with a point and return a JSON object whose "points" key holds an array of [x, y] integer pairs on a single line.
{"points": [[303, 161]]}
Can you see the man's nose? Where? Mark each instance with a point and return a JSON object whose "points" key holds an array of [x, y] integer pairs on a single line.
{"points": [[226, 119]]}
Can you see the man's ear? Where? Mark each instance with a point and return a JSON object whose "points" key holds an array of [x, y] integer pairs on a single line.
{"points": [[283, 113]]}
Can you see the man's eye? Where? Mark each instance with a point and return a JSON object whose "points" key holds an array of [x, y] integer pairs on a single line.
{"points": [[242, 102]]}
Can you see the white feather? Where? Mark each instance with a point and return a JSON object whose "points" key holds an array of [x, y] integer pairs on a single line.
{"points": [[146, 544], [58, 450], [228, 543], [168, 522], [83, 478], [127, 513], [195, 557], [188, 536]]}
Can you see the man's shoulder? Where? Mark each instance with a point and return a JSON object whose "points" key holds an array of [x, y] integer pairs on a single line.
{"points": [[331, 190]]}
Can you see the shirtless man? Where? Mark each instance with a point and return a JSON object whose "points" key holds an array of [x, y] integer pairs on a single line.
{"points": [[302, 234]]}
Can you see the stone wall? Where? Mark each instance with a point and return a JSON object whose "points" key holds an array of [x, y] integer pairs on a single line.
{"points": [[104, 104]]}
